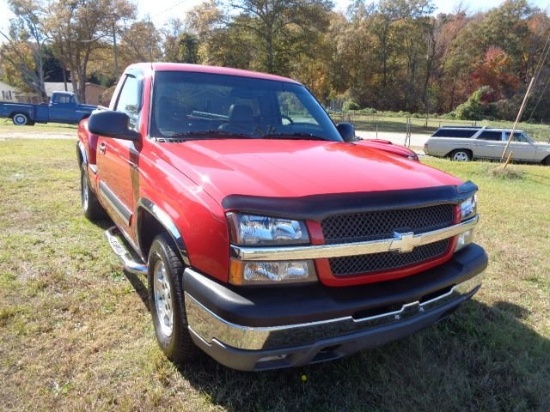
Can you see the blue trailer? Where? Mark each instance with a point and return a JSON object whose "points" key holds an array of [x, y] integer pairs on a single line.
{"points": [[63, 108]]}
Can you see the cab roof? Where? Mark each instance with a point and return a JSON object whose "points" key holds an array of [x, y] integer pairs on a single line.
{"points": [[197, 68]]}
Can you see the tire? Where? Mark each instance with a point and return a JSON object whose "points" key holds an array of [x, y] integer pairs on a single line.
{"points": [[166, 301], [461, 155], [90, 205], [20, 119], [546, 161]]}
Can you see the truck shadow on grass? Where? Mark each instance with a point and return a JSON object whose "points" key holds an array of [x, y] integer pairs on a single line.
{"points": [[139, 283], [481, 358]]}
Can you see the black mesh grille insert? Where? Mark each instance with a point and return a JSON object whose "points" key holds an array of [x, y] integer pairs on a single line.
{"points": [[382, 225], [387, 261]]}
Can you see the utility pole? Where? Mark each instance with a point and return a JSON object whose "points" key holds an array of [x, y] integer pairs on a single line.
{"points": [[521, 109]]}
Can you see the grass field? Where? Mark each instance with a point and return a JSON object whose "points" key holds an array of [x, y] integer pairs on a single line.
{"points": [[76, 334]]}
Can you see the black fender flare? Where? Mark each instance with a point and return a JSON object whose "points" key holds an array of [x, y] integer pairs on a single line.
{"points": [[81, 153], [165, 221]]}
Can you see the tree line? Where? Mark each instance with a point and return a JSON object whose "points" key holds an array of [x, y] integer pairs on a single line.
{"points": [[394, 55]]}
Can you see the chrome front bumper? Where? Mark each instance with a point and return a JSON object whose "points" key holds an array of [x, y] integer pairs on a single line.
{"points": [[211, 327], [258, 329]]}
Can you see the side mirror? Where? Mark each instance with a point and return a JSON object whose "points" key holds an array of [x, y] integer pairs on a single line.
{"points": [[347, 131], [109, 123]]}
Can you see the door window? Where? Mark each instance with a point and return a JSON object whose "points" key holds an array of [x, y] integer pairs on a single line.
{"points": [[129, 100], [491, 135]]}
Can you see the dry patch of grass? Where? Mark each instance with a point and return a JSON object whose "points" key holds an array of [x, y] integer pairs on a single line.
{"points": [[505, 172], [75, 333]]}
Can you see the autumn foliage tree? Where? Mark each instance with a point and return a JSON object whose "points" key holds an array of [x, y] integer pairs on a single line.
{"points": [[80, 27], [25, 47], [496, 72], [281, 29], [384, 54]]}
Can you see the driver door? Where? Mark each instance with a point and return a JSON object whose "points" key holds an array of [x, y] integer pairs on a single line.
{"points": [[520, 147], [118, 162]]}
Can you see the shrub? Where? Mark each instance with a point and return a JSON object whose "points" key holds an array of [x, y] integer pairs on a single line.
{"points": [[476, 107], [506, 109], [368, 110], [351, 104]]}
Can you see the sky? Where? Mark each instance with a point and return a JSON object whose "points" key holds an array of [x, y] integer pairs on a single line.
{"points": [[161, 10]]}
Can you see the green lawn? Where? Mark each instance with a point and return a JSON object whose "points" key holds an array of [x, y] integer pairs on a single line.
{"points": [[75, 333]]}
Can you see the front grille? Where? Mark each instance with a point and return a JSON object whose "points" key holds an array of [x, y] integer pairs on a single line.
{"points": [[387, 261], [382, 224], [376, 225]]}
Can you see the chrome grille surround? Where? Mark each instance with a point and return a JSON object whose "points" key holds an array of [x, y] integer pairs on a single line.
{"points": [[383, 224], [393, 243]]}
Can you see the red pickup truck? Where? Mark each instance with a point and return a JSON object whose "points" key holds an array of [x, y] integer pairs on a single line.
{"points": [[269, 237]]}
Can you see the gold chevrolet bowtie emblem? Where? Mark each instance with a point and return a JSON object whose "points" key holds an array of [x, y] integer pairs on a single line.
{"points": [[403, 242]]}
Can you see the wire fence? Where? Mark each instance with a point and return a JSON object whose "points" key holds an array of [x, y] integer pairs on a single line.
{"points": [[406, 123]]}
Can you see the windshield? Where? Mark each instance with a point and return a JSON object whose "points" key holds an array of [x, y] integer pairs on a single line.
{"points": [[190, 105]]}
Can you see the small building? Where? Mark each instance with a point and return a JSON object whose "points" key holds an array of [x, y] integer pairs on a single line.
{"points": [[8, 93], [94, 92]]}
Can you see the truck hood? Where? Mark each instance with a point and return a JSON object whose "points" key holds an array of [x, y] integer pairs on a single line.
{"points": [[291, 168]]}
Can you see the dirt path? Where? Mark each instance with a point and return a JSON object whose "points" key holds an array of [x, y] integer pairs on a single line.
{"points": [[24, 134], [417, 140]]}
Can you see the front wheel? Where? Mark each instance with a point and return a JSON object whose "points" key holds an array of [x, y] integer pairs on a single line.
{"points": [[20, 119], [166, 301], [461, 155]]}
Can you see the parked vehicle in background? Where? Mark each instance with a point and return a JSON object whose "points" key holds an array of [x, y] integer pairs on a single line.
{"points": [[269, 236], [468, 143], [63, 108]]}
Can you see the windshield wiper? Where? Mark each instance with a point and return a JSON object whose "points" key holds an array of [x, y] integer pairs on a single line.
{"points": [[223, 134], [209, 134], [295, 136]]}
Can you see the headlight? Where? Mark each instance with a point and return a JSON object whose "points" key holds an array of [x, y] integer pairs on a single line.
{"points": [[269, 273], [247, 229], [468, 209], [263, 230]]}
